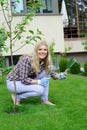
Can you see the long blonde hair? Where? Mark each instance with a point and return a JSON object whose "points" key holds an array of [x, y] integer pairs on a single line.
{"points": [[35, 59]]}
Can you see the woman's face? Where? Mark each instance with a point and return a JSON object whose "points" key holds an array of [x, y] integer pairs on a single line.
{"points": [[42, 52]]}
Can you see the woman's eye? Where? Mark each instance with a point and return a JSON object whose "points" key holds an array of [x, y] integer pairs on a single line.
{"points": [[40, 49]]}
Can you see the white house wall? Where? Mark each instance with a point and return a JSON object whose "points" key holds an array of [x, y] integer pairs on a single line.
{"points": [[52, 28], [75, 45]]}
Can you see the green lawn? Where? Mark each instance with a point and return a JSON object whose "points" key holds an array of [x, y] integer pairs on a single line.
{"points": [[70, 112]]}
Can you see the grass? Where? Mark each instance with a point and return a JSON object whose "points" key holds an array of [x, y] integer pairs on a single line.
{"points": [[70, 112]]}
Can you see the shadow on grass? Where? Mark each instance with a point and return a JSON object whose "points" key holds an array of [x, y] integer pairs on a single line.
{"points": [[16, 110]]}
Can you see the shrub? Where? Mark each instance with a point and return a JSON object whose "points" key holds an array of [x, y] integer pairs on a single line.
{"points": [[2, 61], [63, 63], [5, 71], [75, 69], [85, 67]]}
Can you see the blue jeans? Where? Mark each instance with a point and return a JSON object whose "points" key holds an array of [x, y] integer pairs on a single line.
{"points": [[31, 90]]}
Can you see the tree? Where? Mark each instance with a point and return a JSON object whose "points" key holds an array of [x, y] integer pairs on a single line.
{"points": [[85, 41], [74, 6], [3, 38], [12, 35]]}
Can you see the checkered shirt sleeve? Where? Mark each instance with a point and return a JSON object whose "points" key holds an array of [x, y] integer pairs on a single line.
{"points": [[22, 71]]}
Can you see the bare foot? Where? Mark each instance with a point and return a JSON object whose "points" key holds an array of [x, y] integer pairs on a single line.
{"points": [[48, 103]]}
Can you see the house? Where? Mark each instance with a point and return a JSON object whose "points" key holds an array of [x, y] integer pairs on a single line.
{"points": [[50, 22]]}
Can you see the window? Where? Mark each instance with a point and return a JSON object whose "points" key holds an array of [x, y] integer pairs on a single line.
{"points": [[17, 7], [47, 7], [23, 4]]}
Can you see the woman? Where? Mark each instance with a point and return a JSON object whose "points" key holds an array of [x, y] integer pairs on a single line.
{"points": [[30, 74]]}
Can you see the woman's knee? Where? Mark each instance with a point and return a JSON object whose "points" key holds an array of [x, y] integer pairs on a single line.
{"points": [[40, 89]]}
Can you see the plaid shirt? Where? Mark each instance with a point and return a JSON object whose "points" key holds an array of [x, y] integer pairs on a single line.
{"points": [[23, 71]]}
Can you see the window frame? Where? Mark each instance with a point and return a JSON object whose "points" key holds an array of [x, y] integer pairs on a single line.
{"points": [[49, 12]]}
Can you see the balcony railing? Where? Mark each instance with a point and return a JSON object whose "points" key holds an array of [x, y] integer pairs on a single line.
{"points": [[74, 31]]}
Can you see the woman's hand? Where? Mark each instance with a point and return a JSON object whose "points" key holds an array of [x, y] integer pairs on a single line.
{"points": [[44, 81], [61, 75]]}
